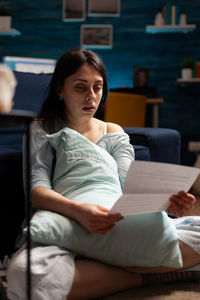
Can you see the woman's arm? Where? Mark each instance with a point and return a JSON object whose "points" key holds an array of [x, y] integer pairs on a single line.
{"points": [[112, 127], [94, 218], [122, 151]]}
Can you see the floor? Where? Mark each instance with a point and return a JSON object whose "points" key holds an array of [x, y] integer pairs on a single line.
{"points": [[180, 291]]}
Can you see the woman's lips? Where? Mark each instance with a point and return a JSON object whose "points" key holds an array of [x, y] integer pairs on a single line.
{"points": [[88, 108]]}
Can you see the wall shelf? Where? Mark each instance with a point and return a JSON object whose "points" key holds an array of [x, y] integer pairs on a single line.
{"points": [[170, 28], [186, 82], [11, 32]]}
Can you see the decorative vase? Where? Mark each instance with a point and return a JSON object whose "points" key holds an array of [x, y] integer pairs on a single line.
{"points": [[5, 22], [159, 20], [186, 73]]}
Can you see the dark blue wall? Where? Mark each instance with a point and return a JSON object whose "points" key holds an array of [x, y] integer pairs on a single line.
{"points": [[44, 35]]}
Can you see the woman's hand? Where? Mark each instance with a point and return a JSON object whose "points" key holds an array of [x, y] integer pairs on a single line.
{"points": [[181, 204], [95, 218]]}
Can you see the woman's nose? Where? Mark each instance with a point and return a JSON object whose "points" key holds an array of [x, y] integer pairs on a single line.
{"points": [[91, 94]]}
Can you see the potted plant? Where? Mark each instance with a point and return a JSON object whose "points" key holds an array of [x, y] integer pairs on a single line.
{"points": [[187, 68], [5, 18]]}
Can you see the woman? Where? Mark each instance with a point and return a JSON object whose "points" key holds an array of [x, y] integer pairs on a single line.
{"points": [[77, 87]]}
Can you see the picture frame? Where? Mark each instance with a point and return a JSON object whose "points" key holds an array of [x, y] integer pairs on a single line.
{"points": [[102, 8], [96, 36], [73, 10]]}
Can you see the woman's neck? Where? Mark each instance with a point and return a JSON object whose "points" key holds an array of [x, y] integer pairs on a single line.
{"points": [[92, 129], [82, 126]]}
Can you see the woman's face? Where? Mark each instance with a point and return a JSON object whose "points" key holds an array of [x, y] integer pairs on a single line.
{"points": [[82, 93]]}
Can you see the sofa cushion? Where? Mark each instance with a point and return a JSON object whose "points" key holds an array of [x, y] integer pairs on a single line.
{"points": [[31, 90], [163, 143]]}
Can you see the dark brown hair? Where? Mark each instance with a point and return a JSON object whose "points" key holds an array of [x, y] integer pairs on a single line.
{"points": [[52, 113]]}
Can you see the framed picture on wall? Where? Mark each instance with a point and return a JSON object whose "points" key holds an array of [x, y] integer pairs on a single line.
{"points": [[104, 8], [73, 10], [96, 36]]}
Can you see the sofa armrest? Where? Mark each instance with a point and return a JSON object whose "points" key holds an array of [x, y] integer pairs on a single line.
{"points": [[12, 196], [163, 143]]}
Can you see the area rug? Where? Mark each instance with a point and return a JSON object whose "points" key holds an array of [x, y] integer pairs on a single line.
{"points": [[178, 291], [171, 291]]}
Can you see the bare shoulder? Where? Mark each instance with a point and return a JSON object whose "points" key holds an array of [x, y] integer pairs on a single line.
{"points": [[112, 127]]}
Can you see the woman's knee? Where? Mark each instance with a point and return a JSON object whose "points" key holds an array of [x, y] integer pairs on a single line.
{"points": [[190, 257]]}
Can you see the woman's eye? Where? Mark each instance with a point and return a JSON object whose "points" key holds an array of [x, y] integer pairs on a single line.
{"points": [[80, 88], [98, 88]]}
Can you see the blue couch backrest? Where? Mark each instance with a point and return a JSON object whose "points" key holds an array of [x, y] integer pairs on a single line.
{"points": [[31, 90], [30, 93]]}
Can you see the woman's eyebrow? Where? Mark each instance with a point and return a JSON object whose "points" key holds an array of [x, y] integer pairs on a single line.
{"points": [[84, 80], [80, 79]]}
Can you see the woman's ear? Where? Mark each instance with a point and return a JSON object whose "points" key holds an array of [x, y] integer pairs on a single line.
{"points": [[60, 93]]}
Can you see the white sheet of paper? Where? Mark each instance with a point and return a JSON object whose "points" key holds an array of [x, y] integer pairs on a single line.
{"points": [[149, 185]]}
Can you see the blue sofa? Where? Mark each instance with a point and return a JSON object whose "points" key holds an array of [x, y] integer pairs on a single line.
{"points": [[155, 144]]}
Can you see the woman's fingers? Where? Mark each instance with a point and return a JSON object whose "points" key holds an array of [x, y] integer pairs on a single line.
{"points": [[101, 215], [109, 219], [104, 231], [181, 203], [103, 223], [187, 196], [99, 228], [96, 219]]}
